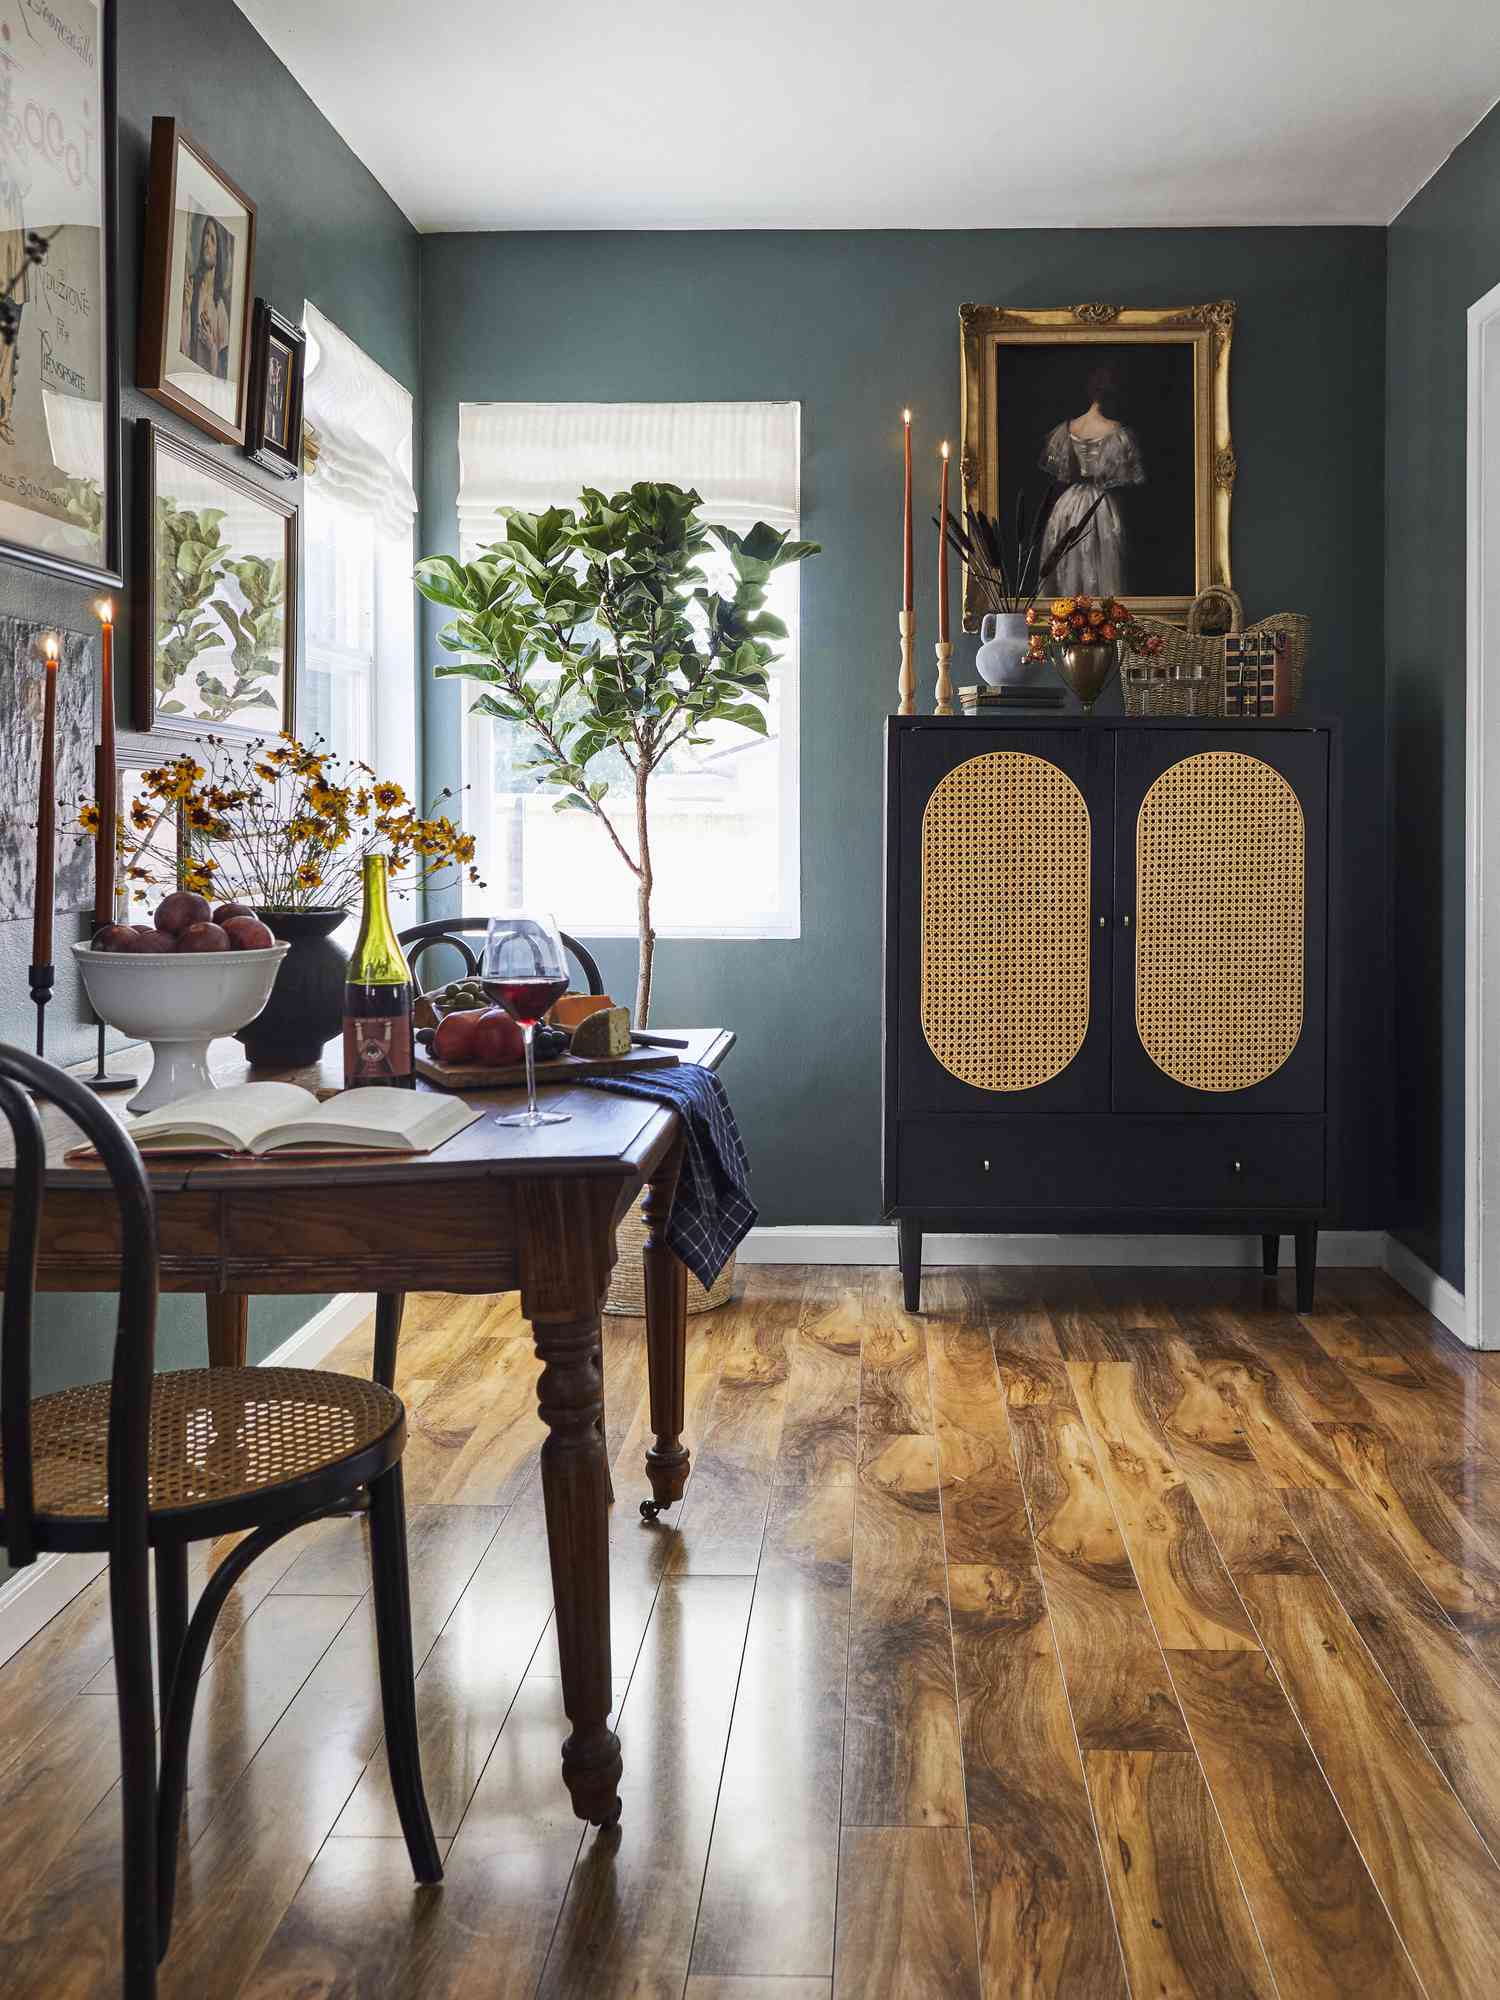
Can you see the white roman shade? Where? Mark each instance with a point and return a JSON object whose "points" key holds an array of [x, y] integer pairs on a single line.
{"points": [[744, 458], [363, 418]]}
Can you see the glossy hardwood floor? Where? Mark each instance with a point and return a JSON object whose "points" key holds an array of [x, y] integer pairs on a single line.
{"points": [[1092, 1634]]}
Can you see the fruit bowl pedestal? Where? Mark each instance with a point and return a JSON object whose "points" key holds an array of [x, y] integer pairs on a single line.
{"points": [[178, 1002]]}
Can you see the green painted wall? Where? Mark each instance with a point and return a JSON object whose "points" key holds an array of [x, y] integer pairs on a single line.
{"points": [[1444, 253], [326, 230], [855, 326]]}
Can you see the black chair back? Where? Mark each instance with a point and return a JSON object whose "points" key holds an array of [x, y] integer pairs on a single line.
{"points": [[135, 1328], [418, 938]]}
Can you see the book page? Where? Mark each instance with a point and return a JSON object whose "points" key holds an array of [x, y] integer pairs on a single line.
{"points": [[235, 1116], [381, 1119]]}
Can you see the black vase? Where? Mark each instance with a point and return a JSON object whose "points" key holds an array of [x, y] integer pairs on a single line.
{"points": [[306, 1007]]}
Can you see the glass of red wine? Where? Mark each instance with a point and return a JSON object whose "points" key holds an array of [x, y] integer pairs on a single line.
{"points": [[525, 970]]}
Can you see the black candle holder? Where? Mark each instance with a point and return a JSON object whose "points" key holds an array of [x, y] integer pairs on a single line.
{"points": [[103, 1081], [42, 978]]}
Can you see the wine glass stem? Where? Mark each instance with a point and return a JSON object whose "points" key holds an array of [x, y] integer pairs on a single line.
{"points": [[528, 1029]]}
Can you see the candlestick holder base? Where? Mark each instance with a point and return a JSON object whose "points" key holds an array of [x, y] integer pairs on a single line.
{"points": [[907, 705], [944, 678], [103, 1081], [41, 978]]}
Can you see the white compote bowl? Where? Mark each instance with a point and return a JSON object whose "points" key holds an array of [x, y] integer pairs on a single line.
{"points": [[178, 1002]]}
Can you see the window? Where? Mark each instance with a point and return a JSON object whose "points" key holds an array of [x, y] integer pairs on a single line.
{"points": [[358, 680], [724, 826]]}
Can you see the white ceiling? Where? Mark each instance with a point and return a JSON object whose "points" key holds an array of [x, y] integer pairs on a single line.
{"points": [[880, 114]]}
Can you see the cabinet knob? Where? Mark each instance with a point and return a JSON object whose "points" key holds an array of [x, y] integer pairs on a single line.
{"points": [[1239, 1166], [986, 1166], [1125, 920], [1102, 922]]}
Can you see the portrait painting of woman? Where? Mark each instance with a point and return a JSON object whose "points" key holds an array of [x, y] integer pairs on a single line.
{"points": [[208, 295], [198, 286], [1116, 415]]}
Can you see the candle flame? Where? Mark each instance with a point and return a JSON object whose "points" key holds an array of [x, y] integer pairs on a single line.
{"points": [[51, 649], [906, 418], [106, 610], [945, 447]]}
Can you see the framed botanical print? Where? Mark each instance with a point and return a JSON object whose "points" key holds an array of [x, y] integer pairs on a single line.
{"points": [[215, 595], [273, 430], [197, 289], [59, 370], [153, 830], [1063, 405]]}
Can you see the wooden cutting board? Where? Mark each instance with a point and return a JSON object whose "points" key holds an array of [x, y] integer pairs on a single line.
{"points": [[560, 1069]]}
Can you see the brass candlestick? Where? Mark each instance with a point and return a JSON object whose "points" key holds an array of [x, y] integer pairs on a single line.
{"points": [[944, 678], [908, 683]]}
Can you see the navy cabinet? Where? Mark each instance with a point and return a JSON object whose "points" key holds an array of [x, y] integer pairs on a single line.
{"points": [[1107, 978]]}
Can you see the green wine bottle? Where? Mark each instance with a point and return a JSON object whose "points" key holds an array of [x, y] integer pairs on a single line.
{"points": [[379, 1045]]}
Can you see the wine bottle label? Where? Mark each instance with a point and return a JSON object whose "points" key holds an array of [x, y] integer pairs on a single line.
{"points": [[378, 1049]]}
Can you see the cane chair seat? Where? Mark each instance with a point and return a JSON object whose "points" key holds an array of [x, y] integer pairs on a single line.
{"points": [[219, 1438]]}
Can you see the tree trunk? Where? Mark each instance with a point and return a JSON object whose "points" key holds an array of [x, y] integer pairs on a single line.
{"points": [[646, 935]]}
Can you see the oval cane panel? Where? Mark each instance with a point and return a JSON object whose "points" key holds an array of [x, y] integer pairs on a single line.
{"points": [[1005, 921], [1220, 852]]}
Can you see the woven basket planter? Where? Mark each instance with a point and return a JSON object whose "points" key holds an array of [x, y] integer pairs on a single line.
{"points": [[627, 1286]]}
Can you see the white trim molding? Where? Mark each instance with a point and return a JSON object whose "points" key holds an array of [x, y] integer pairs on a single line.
{"points": [[1482, 821], [876, 1244], [1444, 1301], [37, 1593]]}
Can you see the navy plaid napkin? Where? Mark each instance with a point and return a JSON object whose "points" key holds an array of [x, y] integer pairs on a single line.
{"points": [[713, 1211]]}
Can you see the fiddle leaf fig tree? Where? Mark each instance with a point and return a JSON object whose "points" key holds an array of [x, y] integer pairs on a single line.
{"points": [[595, 630]]}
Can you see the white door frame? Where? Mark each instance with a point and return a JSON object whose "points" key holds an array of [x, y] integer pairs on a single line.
{"points": [[1482, 834]]}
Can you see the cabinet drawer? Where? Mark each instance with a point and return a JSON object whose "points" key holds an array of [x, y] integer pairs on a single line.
{"points": [[1110, 1162]]}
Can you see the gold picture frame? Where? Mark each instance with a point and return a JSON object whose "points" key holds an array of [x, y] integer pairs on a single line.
{"points": [[987, 332]]}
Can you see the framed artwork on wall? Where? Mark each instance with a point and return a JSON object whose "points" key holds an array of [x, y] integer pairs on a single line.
{"points": [[196, 290], [273, 425], [1060, 403], [59, 375], [22, 690], [215, 595]]}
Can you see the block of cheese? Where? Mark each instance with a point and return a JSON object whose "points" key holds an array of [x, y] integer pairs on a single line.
{"points": [[576, 1007], [603, 1034]]}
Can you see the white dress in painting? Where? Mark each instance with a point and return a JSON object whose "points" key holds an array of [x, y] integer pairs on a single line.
{"points": [[1096, 566]]}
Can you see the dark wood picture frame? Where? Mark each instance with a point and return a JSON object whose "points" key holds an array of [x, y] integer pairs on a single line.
{"points": [[158, 287], [111, 571], [282, 455], [152, 438]]}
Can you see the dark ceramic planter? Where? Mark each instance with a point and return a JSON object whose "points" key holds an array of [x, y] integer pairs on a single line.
{"points": [[306, 1007]]}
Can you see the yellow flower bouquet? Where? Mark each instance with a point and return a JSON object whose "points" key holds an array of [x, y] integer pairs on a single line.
{"points": [[281, 825]]}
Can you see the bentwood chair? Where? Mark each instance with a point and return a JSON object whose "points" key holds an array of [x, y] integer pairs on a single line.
{"points": [[145, 1464], [415, 941]]}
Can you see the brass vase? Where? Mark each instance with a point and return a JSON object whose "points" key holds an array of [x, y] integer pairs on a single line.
{"points": [[1086, 671]]}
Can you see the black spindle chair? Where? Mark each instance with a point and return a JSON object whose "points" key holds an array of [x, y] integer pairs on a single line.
{"points": [[144, 1464]]}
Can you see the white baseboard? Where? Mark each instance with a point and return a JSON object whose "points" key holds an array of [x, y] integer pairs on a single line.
{"points": [[1444, 1301], [876, 1244], [39, 1592]]}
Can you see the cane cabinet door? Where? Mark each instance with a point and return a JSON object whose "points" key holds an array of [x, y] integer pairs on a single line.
{"points": [[1221, 876], [1004, 930]]}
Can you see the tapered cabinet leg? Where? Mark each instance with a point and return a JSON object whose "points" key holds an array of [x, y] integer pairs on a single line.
{"points": [[392, 1593], [668, 1459], [1270, 1255], [228, 1329], [1307, 1265], [390, 1307], [909, 1250], [575, 1489]]}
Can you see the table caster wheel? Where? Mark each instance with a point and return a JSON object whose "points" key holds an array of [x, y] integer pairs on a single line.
{"points": [[650, 1510]]}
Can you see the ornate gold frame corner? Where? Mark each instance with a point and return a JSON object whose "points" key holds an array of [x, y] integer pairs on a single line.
{"points": [[1208, 329]]}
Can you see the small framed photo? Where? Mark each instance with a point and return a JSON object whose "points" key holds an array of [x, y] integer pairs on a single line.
{"points": [[153, 833], [273, 429], [215, 596], [195, 300]]}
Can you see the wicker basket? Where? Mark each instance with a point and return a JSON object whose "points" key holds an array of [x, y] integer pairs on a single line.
{"points": [[1187, 676], [627, 1285]]}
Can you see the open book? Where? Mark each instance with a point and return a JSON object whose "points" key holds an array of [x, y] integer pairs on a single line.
{"points": [[260, 1118]]}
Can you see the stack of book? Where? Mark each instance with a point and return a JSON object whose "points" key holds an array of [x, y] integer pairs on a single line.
{"points": [[1026, 700]]}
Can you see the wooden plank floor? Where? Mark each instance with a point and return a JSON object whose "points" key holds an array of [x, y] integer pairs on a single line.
{"points": [[1092, 1634]]}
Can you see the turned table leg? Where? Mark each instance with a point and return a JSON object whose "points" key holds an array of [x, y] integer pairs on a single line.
{"points": [[228, 1329], [668, 1459], [575, 1487]]}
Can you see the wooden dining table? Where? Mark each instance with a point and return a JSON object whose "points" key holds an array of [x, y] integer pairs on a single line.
{"points": [[496, 1209]]}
